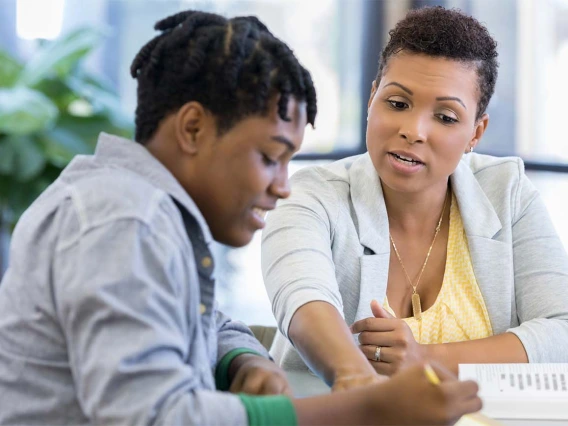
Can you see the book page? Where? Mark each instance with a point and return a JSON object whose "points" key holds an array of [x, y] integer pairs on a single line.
{"points": [[521, 391]]}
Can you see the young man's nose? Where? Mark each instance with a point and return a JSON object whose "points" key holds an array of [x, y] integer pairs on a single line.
{"points": [[281, 185]]}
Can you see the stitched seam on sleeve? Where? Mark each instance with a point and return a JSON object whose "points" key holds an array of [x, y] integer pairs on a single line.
{"points": [[333, 225], [518, 191]]}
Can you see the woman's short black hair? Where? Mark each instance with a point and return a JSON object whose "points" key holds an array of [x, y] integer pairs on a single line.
{"points": [[448, 33], [233, 67]]}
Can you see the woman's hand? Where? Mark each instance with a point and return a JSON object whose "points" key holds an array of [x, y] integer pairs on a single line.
{"points": [[256, 375], [398, 348]]}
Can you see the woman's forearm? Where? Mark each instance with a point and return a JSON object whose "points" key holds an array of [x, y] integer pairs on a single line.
{"points": [[323, 339], [503, 348]]}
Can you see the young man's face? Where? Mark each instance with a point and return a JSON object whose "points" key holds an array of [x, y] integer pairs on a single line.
{"points": [[240, 175]]}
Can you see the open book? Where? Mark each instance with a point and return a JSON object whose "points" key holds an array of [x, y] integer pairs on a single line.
{"points": [[521, 391]]}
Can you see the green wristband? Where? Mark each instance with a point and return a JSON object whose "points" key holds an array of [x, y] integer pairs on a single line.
{"points": [[270, 410], [222, 371]]}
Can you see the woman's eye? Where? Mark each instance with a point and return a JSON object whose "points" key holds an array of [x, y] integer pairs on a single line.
{"points": [[398, 104], [446, 119], [268, 161]]}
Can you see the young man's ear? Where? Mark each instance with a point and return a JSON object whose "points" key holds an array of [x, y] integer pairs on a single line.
{"points": [[190, 126]]}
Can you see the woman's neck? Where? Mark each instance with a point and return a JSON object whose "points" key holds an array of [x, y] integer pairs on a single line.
{"points": [[415, 214]]}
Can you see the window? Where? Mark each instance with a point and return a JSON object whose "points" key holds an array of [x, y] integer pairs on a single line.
{"points": [[339, 41], [327, 36], [542, 85], [526, 113], [321, 33]]}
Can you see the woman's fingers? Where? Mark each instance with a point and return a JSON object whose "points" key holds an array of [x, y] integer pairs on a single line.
{"points": [[370, 350], [374, 324], [378, 338], [386, 365], [378, 311]]}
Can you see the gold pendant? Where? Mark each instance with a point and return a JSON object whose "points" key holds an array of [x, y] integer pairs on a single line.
{"points": [[416, 307]]}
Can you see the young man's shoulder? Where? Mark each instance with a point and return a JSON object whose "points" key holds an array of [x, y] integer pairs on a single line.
{"points": [[112, 193], [81, 200]]}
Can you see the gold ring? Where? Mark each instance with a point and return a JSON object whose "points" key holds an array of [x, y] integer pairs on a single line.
{"points": [[377, 354]]}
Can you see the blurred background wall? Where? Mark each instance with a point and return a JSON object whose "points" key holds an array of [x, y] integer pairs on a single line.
{"points": [[339, 41]]}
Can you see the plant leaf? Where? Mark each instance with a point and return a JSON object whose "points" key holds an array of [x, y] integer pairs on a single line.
{"points": [[101, 82], [57, 91], [87, 128], [18, 196], [24, 111], [29, 159], [61, 145], [9, 69], [103, 101], [7, 157], [60, 56]]}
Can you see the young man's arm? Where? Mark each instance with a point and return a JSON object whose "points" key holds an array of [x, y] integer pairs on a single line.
{"points": [[120, 306], [120, 291], [243, 364]]}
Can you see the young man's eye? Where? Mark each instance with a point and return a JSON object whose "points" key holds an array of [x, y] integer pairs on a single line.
{"points": [[398, 104], [268, 161], [446, 119]]}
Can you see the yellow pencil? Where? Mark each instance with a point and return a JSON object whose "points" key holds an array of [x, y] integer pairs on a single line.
{"points": [[431, 375], [476, 419]]}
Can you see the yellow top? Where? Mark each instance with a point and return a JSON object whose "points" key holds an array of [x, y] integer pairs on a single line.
{"points": [[459, 313]]}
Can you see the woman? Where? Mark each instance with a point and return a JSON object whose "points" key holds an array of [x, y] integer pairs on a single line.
{"points": [[422, 248], [107, 307]]}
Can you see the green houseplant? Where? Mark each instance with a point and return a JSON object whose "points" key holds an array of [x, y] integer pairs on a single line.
{"points": [[51, 109]]}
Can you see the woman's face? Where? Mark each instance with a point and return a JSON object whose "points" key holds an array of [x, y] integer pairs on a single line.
{"points": [[422, 118]]}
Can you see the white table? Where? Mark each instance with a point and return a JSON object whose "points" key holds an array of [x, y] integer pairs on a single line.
{"points": [[305, 384]]}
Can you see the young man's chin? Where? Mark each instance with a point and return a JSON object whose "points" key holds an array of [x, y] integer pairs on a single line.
{"points": [[235, 239]]}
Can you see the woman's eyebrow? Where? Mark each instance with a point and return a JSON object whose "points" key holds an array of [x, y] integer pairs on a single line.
{"points": [[451, 98], [440, 98], [406, 89]]}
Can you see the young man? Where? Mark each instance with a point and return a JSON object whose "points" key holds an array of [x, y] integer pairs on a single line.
{"points": [[107, 308]]}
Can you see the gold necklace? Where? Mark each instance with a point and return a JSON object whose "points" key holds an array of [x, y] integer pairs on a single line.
{"points": [[416, 305]]}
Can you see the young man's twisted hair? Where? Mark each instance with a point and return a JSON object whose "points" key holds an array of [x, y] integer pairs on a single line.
{"points": [[447, 33], [233, 67]]}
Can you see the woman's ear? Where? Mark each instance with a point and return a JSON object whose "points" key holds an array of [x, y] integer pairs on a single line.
{"points": [[374, 87], [191, 124], [478, 131]]}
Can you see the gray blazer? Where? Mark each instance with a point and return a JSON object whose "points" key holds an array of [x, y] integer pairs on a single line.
{"points": [[329, 242]]}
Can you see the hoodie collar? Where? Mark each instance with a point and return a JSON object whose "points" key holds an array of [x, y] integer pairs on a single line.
{"points": [[124, 153]]}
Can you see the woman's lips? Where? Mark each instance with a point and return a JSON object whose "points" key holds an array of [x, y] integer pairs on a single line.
{"points": [[403, 164]]}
